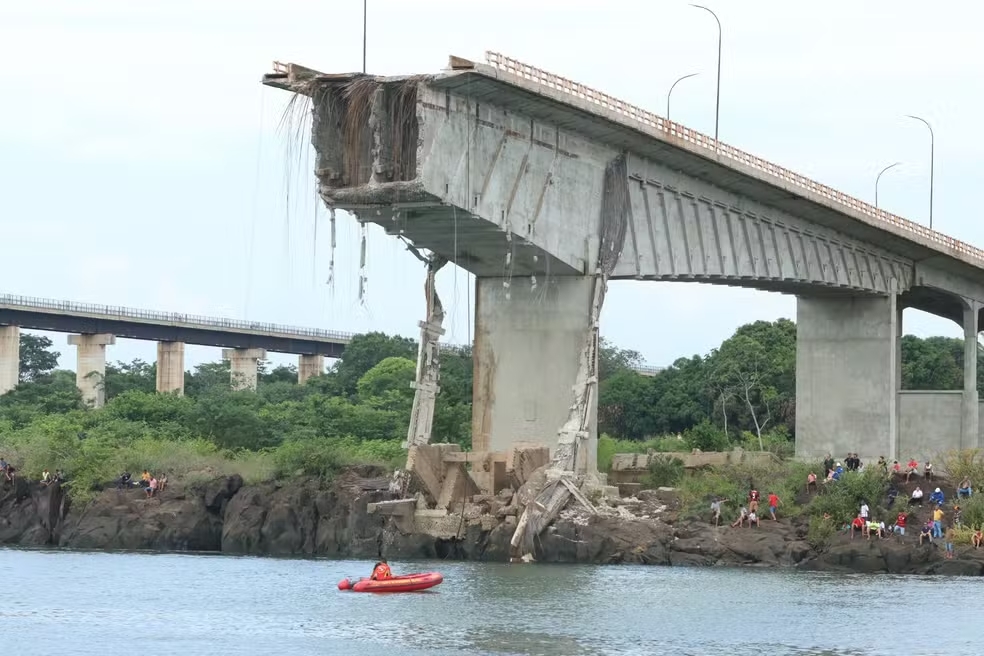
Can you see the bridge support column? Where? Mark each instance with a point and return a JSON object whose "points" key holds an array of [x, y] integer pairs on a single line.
{"points": [[309, 366], [9, 358], [848, 375], [90, 372], [170, 368], [243, 366], [970, 419], [527, 350]]}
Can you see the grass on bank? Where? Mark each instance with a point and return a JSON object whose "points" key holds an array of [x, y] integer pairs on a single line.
{"points": [[92, 459]]}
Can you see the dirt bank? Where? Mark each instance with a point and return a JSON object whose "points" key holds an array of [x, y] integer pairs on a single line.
{"points": [[304, 517]]}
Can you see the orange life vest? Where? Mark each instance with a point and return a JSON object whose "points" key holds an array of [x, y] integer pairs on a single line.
{"points": [[382, 571]]}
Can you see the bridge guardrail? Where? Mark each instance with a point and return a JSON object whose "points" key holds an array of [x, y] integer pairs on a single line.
{"points": [[678, 131]]}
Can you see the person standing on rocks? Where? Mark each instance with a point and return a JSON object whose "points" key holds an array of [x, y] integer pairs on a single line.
{"points": [[900, 525], [716, 509], [938, 522], [951, 535], [753, 500], [773, 504], [828, 466]]}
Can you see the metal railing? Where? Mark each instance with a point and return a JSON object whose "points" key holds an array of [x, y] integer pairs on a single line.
{"points": [[195, 320], [650, 122], [124, 313]]}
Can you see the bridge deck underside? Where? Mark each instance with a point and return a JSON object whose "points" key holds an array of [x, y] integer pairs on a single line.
{"points": [[476, 245], [66, 323]]}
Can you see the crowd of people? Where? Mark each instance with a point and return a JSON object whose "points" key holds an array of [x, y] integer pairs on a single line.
{"points": [[942, 523], [151, 484]]}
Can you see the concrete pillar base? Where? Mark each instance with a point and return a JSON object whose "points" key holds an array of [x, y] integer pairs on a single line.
{"points": [[243, 366], [170, 368], [9, 358], [848, 359], [90, 373], [527, 351], [309, 366]]}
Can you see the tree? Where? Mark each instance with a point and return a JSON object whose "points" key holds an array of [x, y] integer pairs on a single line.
{"points": [[123, 377], [625, 405], [36, 357], [612, 360], [756, 367], [388, 385], [208, 376], [364, 352]]}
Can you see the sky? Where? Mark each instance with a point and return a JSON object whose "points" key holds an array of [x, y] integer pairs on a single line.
{"points": [[143, 164]]}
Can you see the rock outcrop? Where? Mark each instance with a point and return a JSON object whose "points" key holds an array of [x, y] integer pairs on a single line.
{"points": [[306, 517]]}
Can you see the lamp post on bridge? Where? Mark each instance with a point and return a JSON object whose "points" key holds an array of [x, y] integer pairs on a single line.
{"points": [[670, 92], [717, 102], [932, 147], [890, 166]]}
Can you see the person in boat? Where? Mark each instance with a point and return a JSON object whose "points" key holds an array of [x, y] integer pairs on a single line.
{"points": [[381, 571]]}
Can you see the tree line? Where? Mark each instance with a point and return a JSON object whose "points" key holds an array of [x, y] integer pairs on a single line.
{"points": [[744, 389]]}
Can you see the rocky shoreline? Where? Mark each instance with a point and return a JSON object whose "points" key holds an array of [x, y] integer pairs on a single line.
{"points": [[306, 518]]}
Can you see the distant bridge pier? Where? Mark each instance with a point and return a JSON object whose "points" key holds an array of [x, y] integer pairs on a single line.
{"points": [[970, 416], [170, 368], [243, 366], [527, 350], [309, 366], [9, 358], [90, 372]]}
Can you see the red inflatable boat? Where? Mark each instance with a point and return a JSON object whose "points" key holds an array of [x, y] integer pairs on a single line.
{"points": [[406, 583]]}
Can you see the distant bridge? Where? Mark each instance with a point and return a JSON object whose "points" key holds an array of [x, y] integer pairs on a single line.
{"points": [[96, 326]]}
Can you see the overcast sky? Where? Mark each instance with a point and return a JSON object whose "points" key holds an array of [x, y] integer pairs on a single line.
{"points": [[142, 163]]}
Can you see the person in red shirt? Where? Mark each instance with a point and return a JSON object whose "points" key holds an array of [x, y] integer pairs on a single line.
{"points": [[858, 524], [753, 500], [773, 504], [911, 468], [900, 524]]}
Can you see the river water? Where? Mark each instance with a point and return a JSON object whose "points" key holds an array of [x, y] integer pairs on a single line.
{"points": [[97, 603]]}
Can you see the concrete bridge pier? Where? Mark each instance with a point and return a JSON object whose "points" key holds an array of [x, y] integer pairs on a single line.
{"points": [[848, 375], [309, 366], [527, 351], [243, 363], [9, 358], [970, 419], [170, 368], [90, 372]]}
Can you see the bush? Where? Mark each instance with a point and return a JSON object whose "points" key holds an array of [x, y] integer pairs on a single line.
{"points": [[842, 499], [707, 437], [820, 532], [665, 470], [960, 464], [972, 511]]}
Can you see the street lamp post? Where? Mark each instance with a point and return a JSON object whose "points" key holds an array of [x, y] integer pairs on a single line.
{"points": [[365, 22], [932, 147], [890, 166], [717, 102], [670, 92]]}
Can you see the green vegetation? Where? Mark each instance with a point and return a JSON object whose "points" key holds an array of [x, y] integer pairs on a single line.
{"points": [[740, 394]]}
